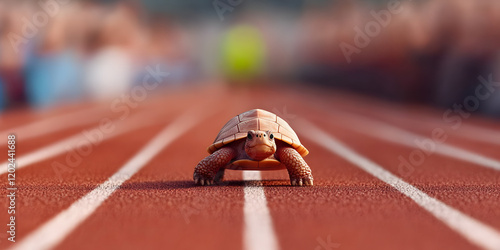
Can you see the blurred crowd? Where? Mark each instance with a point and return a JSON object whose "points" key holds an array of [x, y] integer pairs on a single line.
{"points": [[55, 52], [429, 51]]}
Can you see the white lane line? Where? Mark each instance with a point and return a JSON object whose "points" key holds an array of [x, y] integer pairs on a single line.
{"points": [[53, 124], [55, 230], [473, 230], [468, 131], [387, 132], [258, 232], [474, 132], [77, 140]]}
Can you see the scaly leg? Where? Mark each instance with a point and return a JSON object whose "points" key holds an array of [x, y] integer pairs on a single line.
{"points": [[299, 171], [206, 170]]}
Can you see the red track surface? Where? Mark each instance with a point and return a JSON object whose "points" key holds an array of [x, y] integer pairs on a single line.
{"points": [[160, 208]]}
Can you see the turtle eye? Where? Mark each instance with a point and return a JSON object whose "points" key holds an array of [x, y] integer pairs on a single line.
{"points": [[249, 136], [271, 136]]}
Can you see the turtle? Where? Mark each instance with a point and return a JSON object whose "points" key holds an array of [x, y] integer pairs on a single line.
{"points": [[255, 140]]}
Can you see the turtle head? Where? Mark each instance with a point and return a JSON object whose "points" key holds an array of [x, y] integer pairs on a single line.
{"points": [[260, 145]]}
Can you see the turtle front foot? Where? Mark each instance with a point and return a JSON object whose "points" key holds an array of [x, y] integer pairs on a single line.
{"points": [[298, 170], [203, 181], [304, 181], [211, 169]]}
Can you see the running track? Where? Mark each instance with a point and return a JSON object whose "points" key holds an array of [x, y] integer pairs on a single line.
{"points": [[134, 190]]}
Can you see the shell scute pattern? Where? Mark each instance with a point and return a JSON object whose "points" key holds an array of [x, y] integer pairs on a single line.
{"points": [[257, 119]]}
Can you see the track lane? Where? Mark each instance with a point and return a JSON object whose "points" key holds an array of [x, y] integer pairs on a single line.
{"points": [[468, 129], [44, 194], [83, 141], [16, 118], [348, 205], [439, 176], [56, 229], [477, 232], [122, 121], [462, 137], [55, 124], [47, 195], [414, 114], [354, 209], [190, 216], [455, 146]]}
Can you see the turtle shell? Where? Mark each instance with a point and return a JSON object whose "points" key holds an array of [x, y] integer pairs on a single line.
{"points": [[257, 119]]}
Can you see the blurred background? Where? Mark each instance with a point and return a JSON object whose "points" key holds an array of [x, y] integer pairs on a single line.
{"points": [[431, 51]]}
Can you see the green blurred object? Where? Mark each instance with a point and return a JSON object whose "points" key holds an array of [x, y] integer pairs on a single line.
{"points": [[243, 53]]}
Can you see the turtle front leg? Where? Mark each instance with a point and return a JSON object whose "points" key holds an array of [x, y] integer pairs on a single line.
{"points": [[206, 170], [299, 171]]}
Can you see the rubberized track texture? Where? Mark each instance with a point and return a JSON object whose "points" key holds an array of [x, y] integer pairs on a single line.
{"points": [[90, 178]]}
